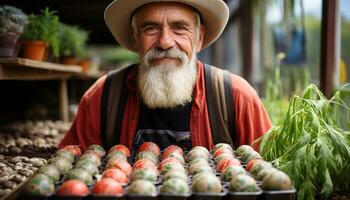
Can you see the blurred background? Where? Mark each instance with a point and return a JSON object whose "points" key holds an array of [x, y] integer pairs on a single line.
{"points": [[279, 46]]}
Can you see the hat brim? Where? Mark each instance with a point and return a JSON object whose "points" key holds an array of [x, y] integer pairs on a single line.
{"points": [[214, 15]]}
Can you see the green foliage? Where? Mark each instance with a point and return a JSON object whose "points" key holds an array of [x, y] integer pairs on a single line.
{"points": [[313, 45], [120, 55], [310, 146], [72, 40], [12, 21], [275, 101], [278, 93], [43, 27], [345, 39]]}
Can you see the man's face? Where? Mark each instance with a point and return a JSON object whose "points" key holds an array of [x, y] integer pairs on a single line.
{"points": [[165, 26], [167, 37]]}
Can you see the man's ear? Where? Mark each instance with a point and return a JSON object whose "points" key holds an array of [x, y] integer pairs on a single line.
{"points": [[201, 38], [133, 38]]}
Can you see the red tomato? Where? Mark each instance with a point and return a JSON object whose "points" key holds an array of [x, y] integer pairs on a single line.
{"points": [[99, 154], [149, 146], [170, 149], [168, 160], [116, 155], [116, 174], [108, 187], [222, 146], [120, 147], [120, 164], [73, 188], [222, 156], [91, 153], [251, 163], [224, 163], [178, 156], [75, 149], [144, 163], [98, 149], [221, 151]]}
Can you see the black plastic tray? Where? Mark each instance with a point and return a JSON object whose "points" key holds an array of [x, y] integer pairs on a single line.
{"points": [[101, 197], [140, 197], [64, 197], [36, 197], [279, 194], [209, 195], [244, 195], [174, 196]]}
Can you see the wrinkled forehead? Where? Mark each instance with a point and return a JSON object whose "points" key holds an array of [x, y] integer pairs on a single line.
{"points": [[153, 7]]}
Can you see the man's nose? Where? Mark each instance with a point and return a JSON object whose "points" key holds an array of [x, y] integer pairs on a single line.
{"points": [[166, 39]]}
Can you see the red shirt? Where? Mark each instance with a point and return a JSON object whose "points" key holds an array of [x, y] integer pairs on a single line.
{"points": [[251, 117]]}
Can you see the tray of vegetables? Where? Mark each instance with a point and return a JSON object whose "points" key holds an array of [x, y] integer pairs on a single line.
{"points": [[152, 174]]}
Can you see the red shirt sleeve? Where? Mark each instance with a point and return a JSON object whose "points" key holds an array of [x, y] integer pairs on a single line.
{"points": [[85, 129], [252, 120]]}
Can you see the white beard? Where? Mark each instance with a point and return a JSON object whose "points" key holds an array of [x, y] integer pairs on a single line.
{"points": [[167, 86]]}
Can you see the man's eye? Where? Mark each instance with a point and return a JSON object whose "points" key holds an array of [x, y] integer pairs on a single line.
{"points": [[150, 29], [180, 27]]}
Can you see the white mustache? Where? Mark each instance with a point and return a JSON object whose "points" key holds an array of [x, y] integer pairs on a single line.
{"points": [[158, 53]]}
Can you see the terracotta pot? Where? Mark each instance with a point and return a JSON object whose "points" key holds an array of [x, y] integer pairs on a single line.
{"points": [[85, 64], [34, 50], [69, 60], [9, 46]]}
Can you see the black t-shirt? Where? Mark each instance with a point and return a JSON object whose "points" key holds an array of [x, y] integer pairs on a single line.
{"points": [[164, 126]]}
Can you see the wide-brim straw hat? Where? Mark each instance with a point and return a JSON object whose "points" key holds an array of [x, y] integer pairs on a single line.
{"points": [[214, 15]]}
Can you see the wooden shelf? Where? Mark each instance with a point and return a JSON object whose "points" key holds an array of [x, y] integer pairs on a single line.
{"points": [[88, 75], [26, 69]]}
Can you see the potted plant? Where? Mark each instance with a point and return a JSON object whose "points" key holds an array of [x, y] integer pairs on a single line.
{"points": [[40, 33], [12, 22], [72, 43]]}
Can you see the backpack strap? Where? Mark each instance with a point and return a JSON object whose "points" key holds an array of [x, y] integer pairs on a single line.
{"points": [[218, 89], [114, 97], [229, 105]]}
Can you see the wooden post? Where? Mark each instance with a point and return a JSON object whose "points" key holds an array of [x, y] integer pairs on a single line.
{"points": [[63, 100], [247, 38], [328, 46]]}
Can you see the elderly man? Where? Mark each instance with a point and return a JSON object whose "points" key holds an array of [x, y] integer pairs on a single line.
{"points": [[163, 98]]}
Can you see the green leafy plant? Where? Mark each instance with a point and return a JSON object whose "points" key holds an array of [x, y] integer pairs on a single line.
{"points": [[72, 40], [12, 21], [274, 98], [124, 55], [278, 92], [43, 27], [310, 146]]}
